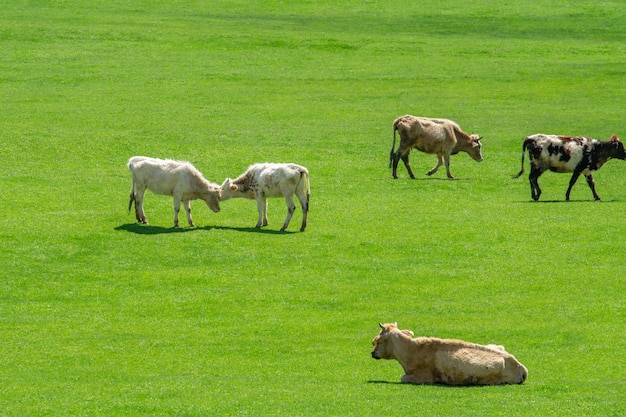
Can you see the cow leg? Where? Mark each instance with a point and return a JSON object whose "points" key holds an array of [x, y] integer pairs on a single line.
{"points": [[572, 181], [396, 159], [140, 215], [440, 162], [533, 177], [291, 207], [446, 160], [187, 206], [176, 210], [261, 202], [304, 203], [418, 378], [592, 185], [405, 159]]}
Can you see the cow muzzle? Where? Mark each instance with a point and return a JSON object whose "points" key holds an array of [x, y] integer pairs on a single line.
{"points": [[375, 356]]}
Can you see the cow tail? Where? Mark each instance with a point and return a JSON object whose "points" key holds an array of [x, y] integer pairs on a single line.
{"points": [[524, 146], [393, 145], [307, 187]]}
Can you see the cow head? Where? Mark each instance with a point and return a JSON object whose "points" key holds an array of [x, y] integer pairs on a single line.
{"points": [[471, 144], [475, 148], [212, 198], [617, 148], [383, 347], [228, 189]]}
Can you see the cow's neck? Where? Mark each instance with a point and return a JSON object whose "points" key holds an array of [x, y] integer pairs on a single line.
{"points": [[402, 351]]}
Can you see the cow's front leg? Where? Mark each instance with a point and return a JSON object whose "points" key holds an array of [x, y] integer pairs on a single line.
{"points": [[446, 160], [592, 185], [439, 163], [187, 206], [417, 378], [261, 202], [572, 181]]}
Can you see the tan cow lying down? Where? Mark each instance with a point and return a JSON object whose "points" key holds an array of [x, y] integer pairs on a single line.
{"points": [[428, 360]]}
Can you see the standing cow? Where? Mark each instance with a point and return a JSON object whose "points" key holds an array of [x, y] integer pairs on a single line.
{"points": [[261, 181], [575, 154], [441, 137], [178, 179], [428, 360]]}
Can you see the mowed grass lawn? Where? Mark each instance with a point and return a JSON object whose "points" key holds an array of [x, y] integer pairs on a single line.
{"points": [[100, 316]]}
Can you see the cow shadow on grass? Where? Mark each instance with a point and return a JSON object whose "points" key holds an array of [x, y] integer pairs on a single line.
{"points": [[147, 229], [567, 202], [429, 385]]}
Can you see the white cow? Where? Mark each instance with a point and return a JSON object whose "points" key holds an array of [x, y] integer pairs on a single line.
{"points": [[176, 178], [261, 181]]}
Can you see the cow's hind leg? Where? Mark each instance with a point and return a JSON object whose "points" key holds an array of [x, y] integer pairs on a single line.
{"points": [[592, 185], [304, 203], [533, 177], [291, 207], [140, 215], [405, 159]]}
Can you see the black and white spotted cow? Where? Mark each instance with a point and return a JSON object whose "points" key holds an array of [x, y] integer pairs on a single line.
{"points": [[575, 154]]}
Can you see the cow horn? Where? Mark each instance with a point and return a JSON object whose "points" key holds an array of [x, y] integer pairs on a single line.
{"points": [[381, 325]]}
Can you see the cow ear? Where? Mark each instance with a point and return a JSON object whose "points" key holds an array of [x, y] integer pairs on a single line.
{"points": [[408, 333]]}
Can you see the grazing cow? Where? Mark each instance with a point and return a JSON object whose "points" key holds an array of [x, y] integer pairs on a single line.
{"points": [[441, 137], [575, 154], [428, 360], [178, 179], [261, 181]]}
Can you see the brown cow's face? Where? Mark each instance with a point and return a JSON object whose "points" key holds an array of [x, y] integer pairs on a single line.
{"points": [[382, 344], [476, 148]]}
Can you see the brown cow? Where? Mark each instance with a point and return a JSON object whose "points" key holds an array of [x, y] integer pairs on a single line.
{"points": [[437, 136], [428, 360]]}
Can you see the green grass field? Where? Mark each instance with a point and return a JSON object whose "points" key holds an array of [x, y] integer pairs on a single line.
{"points": [[100, 316]]}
